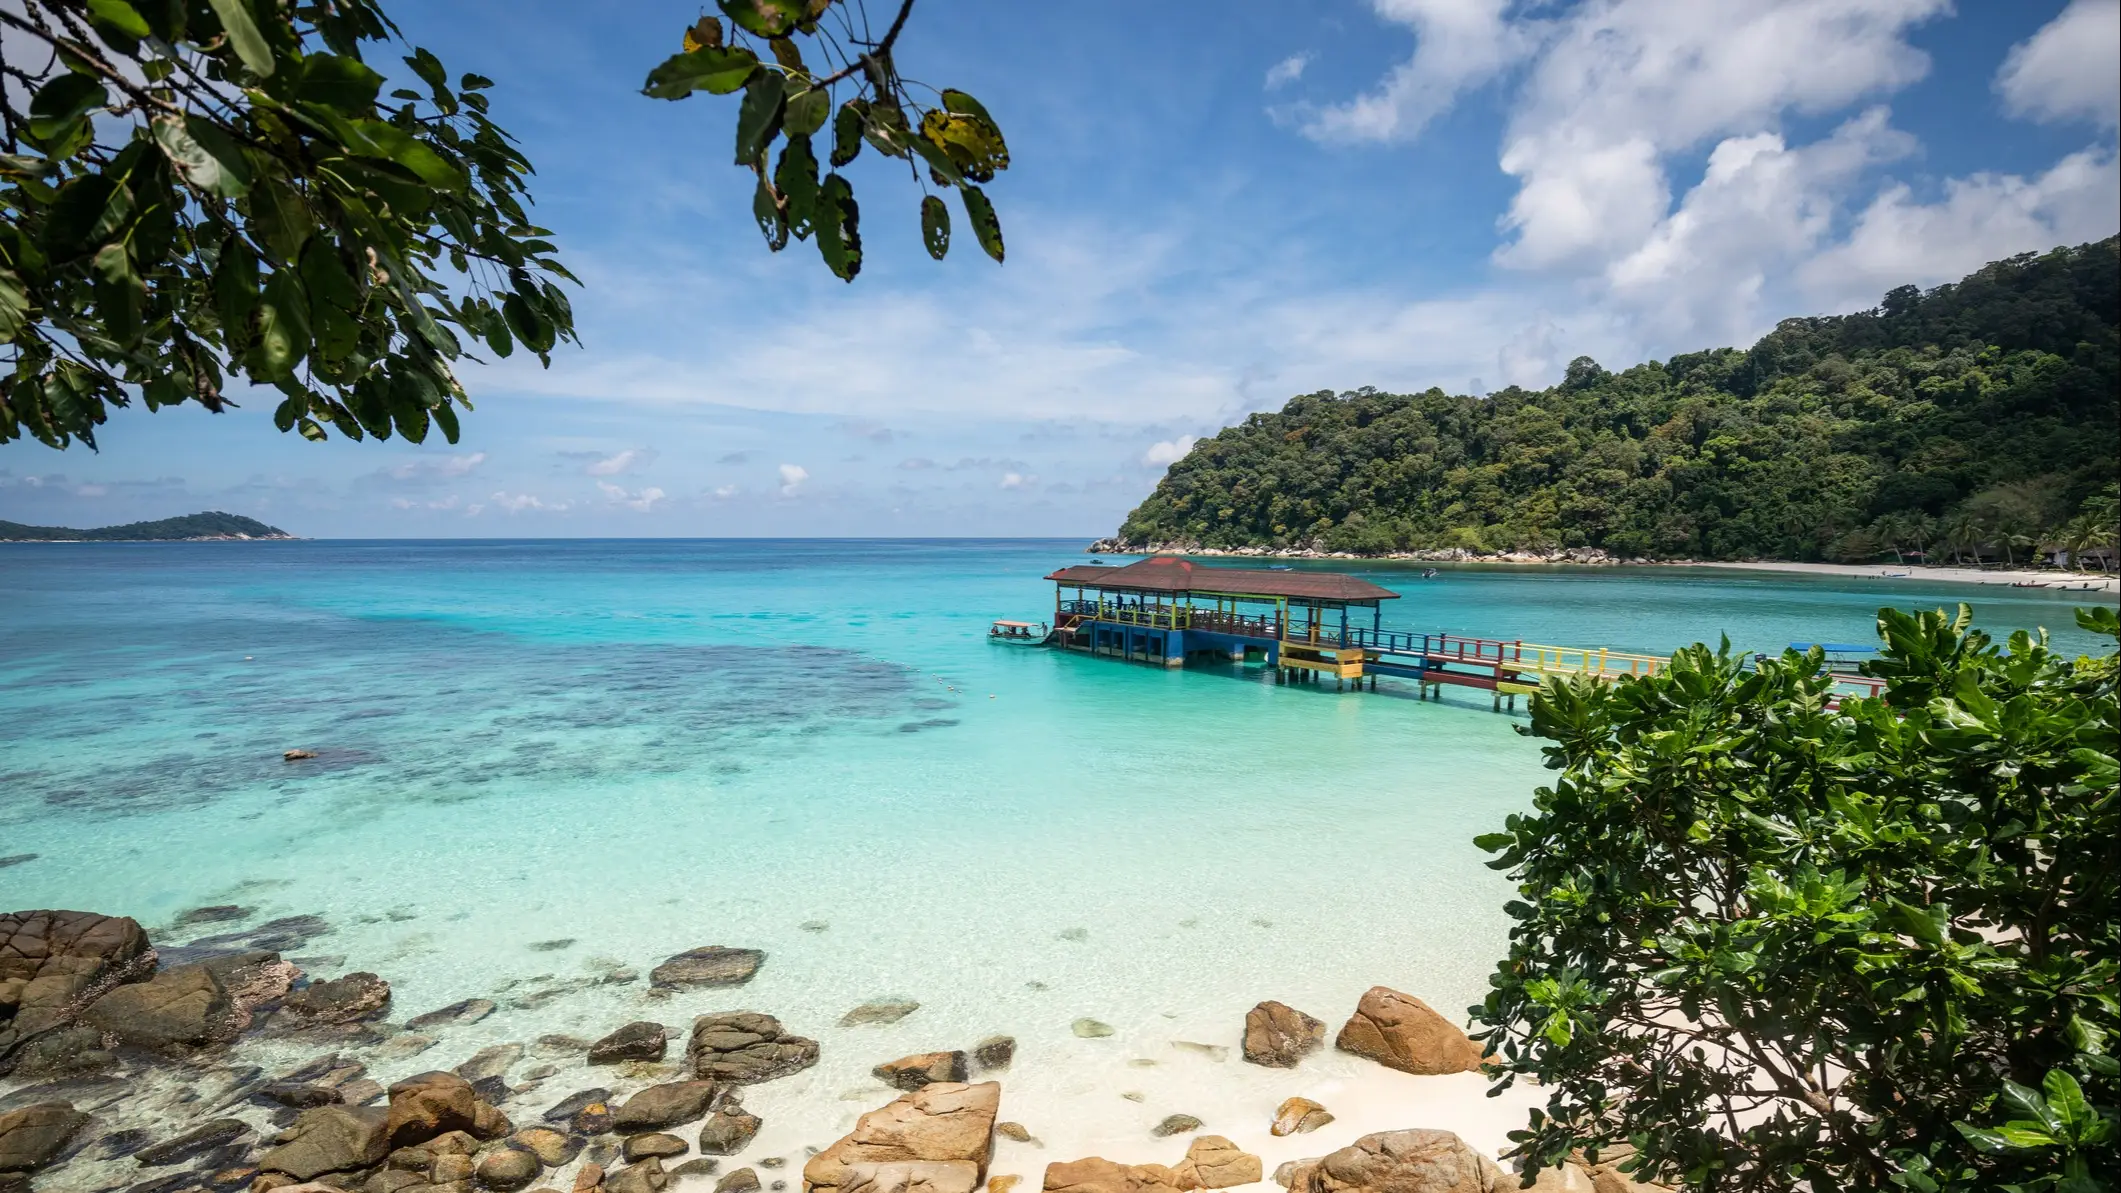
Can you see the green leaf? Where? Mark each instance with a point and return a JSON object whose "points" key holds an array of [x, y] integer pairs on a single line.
{"points": [[718, 71], [985, 224], [935, 226], [235, 166], [807, 113], [759, 117], [796, 179], [2066, 1098], [236, 292], [958, 101], [280, 329], [60, 105], [2023, 1138], [244, 37], [764, 18], [1493, 842], [847, 131], [119, 24], [374, 138], [529, 326], [429, 68], [198, 167], [86, 210], [334, 299], [839, 237], [339, 81], [14, 306]]}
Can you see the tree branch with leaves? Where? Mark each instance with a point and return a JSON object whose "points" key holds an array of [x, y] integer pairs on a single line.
{"points": [[791, 96], [200, 192]]}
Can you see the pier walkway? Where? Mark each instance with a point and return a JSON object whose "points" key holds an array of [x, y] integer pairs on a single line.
{"points": [[1306, 625]]}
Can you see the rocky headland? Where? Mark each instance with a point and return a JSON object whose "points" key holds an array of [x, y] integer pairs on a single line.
{"points": [[220, 1066]]}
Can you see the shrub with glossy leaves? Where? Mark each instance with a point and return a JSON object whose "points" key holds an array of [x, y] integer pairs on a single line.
{"points": [[199, 189], [1774, 939]]}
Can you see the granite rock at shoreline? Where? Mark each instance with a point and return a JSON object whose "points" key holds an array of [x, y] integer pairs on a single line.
{"points": [[745, 1048], [1278, 1035], [1412, 1161], [1402, 1032], [52, 962], [707, 966], [946, 1129]]}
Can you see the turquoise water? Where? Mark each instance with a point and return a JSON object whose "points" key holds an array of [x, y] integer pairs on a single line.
{"points": [[807, 747]]}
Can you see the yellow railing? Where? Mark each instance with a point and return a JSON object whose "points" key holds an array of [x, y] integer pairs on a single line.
{"points": [[1571, 660]]}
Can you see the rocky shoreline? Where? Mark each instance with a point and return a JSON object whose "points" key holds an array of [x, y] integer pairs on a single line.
{"points": [[1581, 556], [124, 1066]]}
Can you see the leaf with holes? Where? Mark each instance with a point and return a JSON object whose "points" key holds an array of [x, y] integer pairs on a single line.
{"points": [[759, 117], [773, 224], [935, 226], [765, 18], [796, 179], [985, 224], [847, 131], [839, 237]]}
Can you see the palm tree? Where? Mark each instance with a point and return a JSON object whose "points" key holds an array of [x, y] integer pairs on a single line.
{"points": [[1891, 530], [1920, 529], [2085, 533], [1963, 533]]}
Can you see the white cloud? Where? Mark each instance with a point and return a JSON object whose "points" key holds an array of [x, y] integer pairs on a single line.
{"points": [[431, 469], [1016, 480], [1626, 83], [792, 478], [725, 492], [1288, 70], [620, 463], [1899, 241], [2070, 69], [642, 501], [446, 503], [516, 503], [1459, 44], [1167, 452]]}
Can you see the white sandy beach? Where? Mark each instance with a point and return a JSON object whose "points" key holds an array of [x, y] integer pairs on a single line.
{"points": [[2050, 580]]}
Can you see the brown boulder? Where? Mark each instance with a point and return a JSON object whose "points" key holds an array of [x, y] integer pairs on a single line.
{"points": [[428, 1105], [1417, 1161], [1401, 1032], [1099, 1175], [946, 1123], [665, 1105], [31, 1136], [350, 999], [331, 1139], [1278, 1035], [645, 1177], [925, 1068], [728, 1131], [52, 963], [182, 1006], [745, 1048], [911, 1176], [507, 1169], [1213, 1162]]}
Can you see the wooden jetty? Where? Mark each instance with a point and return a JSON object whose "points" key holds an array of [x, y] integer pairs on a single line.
{"points": [[1307, 625]]}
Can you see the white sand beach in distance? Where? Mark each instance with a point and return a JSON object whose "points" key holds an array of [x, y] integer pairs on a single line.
{"points": [[2048, 580]]}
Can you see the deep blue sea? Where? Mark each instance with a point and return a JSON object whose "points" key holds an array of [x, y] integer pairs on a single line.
{"points": [[809, 747]]}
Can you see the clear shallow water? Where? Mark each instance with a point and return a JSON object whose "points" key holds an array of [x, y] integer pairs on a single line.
{"points": [[806, 747]]}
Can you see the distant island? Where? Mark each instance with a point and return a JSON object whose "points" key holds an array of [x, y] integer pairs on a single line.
{"points": [[213, 525], [1974, 421]]}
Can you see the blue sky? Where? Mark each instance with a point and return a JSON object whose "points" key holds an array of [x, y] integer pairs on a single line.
{"points": [[1213, 207]]}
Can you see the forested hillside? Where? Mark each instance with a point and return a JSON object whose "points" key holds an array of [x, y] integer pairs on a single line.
{"points": [[1977, 417], [212, 524]]}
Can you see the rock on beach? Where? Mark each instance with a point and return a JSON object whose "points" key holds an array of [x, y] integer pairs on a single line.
{"points": [[707, 966], [745, 1048], [1414, 1161], [1278, 1035], [1402, 1032], [939, 1137]]}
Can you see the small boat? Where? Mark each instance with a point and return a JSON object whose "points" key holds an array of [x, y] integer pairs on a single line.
{"points": [[1279, 567], [1428, 573], [2029, 584], [1017, 633], [1894, 575]]}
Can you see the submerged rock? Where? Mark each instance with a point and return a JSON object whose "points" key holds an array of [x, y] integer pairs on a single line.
{"points": [[642, 1040], [1091, 1029], [469, 1010], [31, 1136], [745, 1048], [708, 965], [490, 1062], [219, 913], [1298, 1116], [913, 1072], [1401, 1032], [1416, 1161], [1213, 1162], [351, 999], [1278, 1035], [574, 1103], [883, 1010], [1016, 1131], [68, 1052], [993, 1053], [1175, 1124], [206, 1137], [1215, 1052], [654, 1145]]}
